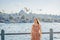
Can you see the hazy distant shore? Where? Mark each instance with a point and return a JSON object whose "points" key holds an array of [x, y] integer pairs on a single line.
{"points": [[23, 17]]}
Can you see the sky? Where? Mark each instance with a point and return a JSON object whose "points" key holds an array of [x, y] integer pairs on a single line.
{"points": [[35, 6]]}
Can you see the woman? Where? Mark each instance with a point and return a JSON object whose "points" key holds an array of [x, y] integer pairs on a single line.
{"points": [[36, 30]]}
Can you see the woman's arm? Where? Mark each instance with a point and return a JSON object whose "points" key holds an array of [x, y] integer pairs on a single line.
{"points": [[31, 30], [40, 31]]}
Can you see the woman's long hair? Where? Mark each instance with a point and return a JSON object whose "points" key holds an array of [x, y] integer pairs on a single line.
{"points": [[37, 21]]}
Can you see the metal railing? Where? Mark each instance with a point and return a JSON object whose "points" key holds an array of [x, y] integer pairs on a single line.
{"points": [[50, 33]]}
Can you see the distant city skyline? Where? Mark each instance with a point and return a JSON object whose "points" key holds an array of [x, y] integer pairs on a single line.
{"points": [[36, 6]]}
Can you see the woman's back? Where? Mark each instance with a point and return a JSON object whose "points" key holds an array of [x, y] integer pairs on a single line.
{"points": [[35, 29], [35, 32]]}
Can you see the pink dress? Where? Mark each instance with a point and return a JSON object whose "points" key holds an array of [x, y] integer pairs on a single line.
{"points": [[35, 32]]}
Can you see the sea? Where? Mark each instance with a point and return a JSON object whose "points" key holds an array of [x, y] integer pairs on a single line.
{"points": [[26, 28]]}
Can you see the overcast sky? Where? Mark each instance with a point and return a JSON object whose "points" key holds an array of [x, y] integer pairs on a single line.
{"points": [[46, 6]]}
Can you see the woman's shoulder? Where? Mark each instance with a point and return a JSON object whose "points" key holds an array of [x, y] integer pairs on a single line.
{"points": [[33, 25]]}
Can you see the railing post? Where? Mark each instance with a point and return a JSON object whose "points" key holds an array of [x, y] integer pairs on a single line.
{"points": [[2, 34], [51, 34]]}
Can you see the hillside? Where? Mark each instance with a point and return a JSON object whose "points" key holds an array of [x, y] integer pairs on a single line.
{"points": [[23, 17]]}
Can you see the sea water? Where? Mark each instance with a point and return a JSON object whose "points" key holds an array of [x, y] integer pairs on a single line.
{"points": [[26, 28]]}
